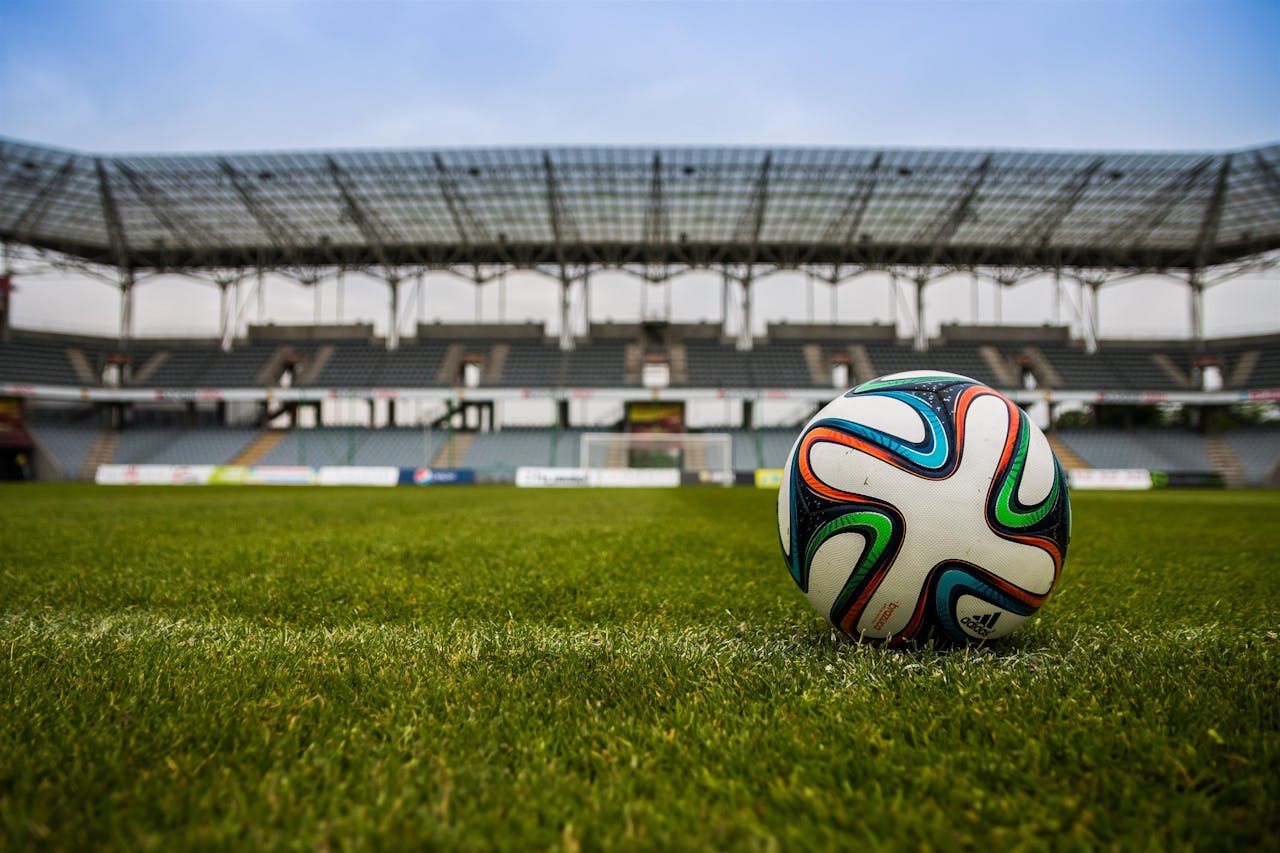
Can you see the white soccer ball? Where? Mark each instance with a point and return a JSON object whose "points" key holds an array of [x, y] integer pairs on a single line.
{"points": [[924, 504]]}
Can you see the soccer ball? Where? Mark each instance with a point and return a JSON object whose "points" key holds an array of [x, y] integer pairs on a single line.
{"points": [[924, 504]]}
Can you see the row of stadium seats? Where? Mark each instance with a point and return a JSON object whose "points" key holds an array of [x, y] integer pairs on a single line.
{"points": [[603, 363], [1257, 448]]}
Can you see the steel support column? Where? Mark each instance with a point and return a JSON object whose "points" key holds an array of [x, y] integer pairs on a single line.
{"points": [[893, 302], [126, 308], [724, 304], [1057, 297], [393, 328], [922, 335], [224, 320], [1091, 337], [566, 319], [1197, 308], [744, 333], [262, 297], [586, 301]]}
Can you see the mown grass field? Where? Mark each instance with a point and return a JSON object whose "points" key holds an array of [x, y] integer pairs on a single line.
{"points": [[481, 668]]}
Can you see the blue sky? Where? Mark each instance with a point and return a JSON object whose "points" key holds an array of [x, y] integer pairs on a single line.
{"points": [[197, 75], [115, 76]]}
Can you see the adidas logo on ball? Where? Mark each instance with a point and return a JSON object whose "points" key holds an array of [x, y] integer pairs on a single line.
{"points": [[980, 625]]}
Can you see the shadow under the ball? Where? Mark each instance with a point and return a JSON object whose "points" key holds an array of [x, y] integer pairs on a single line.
{"points": [[1027, 641]]}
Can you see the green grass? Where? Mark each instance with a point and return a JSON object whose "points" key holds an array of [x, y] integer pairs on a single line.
{"points": [[487, 667]]}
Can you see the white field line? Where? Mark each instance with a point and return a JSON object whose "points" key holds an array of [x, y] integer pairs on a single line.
{"points": [[461, 643]]}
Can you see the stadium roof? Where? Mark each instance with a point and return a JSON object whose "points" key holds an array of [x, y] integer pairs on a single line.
{"points": [[663, 207]]}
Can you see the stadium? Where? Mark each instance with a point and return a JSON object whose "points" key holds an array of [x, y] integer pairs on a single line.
{"points": [[545, 426], [435, 396], [498, 667]]}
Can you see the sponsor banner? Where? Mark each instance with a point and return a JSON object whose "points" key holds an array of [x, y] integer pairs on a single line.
{"points": [[357, 475], [280, 475], [706, 478], [436, 476], [1109, 478], [768, 478], [153, 475], [229, 475], [535, 477], [634, 477], [1188, 479]]}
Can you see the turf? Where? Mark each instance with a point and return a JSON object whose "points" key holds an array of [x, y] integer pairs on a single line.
{"points": [[493, 668]]}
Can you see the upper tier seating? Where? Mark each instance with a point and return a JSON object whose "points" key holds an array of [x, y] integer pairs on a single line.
{"points": [[36, 358], [36, 363]]}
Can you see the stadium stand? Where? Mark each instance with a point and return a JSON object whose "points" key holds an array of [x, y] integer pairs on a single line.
{"points": [[595, 364], [765, 448], [507, 449], [1249, 363], [965, 359], [177, 446], [350, 365], [1155, 449], [67, 444], [778, 364], [414, 365], [531, 364], [38, 362], [401, 447], [1258, 449], [711, 364]]}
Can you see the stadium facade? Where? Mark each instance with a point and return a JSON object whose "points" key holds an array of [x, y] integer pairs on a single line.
{"points": [[1092, 218]]}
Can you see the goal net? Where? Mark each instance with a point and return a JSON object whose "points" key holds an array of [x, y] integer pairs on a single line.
{"points": [[708, 456]]}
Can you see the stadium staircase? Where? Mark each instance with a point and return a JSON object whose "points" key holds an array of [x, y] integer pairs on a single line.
{"points": [[262, 444], [1065, 454], [1225, 461], [148, 367], [80, 364], [1171, 369], [818, 374], [271, 370], [453, 450], [678, 359], [310, 369], [860, 363], [496, 363], [451, 364], [1047, 376], [1243, 367], [1003, 371], [633, 363], [101, 452]]}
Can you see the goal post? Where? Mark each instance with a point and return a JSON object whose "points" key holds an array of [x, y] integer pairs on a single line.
{"points": [[706, 456]]}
